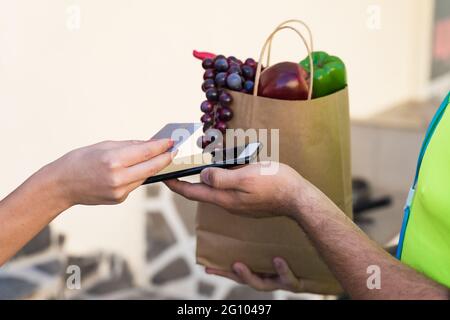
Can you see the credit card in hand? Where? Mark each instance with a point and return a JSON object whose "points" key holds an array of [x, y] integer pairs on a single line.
{"points": [[178, 132]]}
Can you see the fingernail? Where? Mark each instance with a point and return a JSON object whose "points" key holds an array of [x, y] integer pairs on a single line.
{"points": [[174, 153], [237, 269], [205, 176], [278, 264]]}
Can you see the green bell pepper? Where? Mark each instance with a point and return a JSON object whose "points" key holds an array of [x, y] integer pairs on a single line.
{"points": [[329, 73]]}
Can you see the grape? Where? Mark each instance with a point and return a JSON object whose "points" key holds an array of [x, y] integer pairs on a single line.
{"points": [[220, 56], [212, 94], [209, 74], [231, 59], [235, 69], [221, 65], [234, 82], [248, 72], [234, 64], [212, 134], [225, 99], [225, 114], [221, 79], [203, 142], [221, 75], [206, 106], [249, 86], [207, 126], [208, 63], [251, 63], [207, 119], [221, 126], [216, 116], [208, 84]]}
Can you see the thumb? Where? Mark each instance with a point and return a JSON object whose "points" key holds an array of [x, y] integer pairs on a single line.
{"points": [[219, 178]]}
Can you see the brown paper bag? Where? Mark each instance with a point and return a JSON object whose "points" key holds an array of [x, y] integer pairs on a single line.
{"points": [[314, 139]]}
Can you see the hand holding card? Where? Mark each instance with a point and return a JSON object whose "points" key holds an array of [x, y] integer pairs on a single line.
{"points": [[191, 159]]}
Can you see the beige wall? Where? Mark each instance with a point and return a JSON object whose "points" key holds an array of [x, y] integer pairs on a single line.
{"points": [[128, 70]]}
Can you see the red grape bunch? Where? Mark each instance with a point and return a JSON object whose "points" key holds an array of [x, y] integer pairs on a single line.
{"points": [[223, 74]]}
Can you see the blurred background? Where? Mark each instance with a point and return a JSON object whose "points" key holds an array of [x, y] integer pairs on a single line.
{"points": [[76, 72]]}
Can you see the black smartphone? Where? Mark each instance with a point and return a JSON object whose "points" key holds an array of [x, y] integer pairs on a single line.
{"points": [[194, 164]]}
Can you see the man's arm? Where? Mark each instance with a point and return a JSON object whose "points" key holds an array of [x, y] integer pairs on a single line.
{"points": [[343, 246], [104, 173], [348, 252]]}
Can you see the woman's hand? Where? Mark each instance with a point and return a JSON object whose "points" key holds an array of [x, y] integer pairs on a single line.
{"points": [[106, 172], [250, 191]]}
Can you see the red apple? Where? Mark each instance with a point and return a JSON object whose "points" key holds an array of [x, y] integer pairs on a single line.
{"points": [[285, 81]]}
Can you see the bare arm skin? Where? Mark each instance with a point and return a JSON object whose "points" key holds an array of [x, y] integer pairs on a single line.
{"points": [[27, 210], [343, 246], [349, 252], [104, 173]]}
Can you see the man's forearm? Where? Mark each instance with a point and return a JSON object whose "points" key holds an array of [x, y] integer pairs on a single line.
{"points": [[349, 252], [28, 209]]}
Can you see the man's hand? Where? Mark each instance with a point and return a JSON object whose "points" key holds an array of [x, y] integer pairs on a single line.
{"points": [[285, 279], [106, 172], [342, 245], [247, 191]]}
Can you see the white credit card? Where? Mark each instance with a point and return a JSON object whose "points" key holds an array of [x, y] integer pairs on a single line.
{"points": [[184, 135]]}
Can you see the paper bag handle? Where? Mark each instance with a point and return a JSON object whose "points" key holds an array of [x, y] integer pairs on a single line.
{"points": [[288, 22], [264, 49]]}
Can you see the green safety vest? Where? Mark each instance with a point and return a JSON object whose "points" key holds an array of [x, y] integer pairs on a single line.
{"points": [[425, 237]]}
